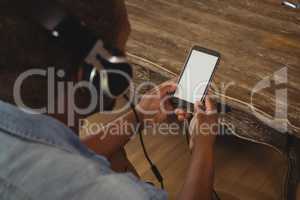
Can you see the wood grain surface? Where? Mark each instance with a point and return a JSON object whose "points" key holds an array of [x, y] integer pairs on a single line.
{"points": [[244, 171], [256, 39]]}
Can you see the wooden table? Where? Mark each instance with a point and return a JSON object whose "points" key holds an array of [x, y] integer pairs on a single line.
{"points": [[260, 45]]}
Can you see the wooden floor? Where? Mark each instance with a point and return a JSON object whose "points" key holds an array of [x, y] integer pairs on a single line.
{"points": [[244, 171]]}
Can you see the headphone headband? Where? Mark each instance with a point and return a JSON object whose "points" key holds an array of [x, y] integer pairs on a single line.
{"points": [[72, 34]]}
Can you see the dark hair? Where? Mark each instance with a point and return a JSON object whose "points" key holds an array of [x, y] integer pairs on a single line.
{"points": [[25, 45]]}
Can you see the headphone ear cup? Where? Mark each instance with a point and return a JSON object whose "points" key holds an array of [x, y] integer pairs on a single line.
{"points": [[119, 78], [92, 75], [118, 75]]}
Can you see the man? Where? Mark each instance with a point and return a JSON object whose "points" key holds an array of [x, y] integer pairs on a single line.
{"points": [[43, 159]]}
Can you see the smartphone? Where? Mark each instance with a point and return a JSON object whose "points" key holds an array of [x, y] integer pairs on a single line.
{"points": [[195, 78]]}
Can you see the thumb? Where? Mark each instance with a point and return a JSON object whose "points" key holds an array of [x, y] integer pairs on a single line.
{"points": [[167, 88], [199, 107]]}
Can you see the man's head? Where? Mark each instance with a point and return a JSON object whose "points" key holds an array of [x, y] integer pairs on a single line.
{"points": [[26, 46]]}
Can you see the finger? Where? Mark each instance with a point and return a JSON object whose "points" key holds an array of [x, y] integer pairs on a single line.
{"points": [[179, 111], [210, 105], [181, 118], [181, 114], [167, 88], [198, 107], [157, 89]]}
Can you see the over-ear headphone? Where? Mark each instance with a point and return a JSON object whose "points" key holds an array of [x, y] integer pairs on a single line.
{"points": [[106, 68]]}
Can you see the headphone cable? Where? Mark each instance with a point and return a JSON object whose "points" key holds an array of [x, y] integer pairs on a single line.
{"points": [[153, 167]]}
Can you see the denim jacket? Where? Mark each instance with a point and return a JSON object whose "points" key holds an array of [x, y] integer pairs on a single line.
{"points": [[40, 158]]}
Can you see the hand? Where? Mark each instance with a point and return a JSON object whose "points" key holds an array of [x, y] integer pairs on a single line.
{"points": [[156, 104], [204, 125], [182, 114]]}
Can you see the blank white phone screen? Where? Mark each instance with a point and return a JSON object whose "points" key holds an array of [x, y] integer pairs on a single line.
{"points": [[196, 76]]}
